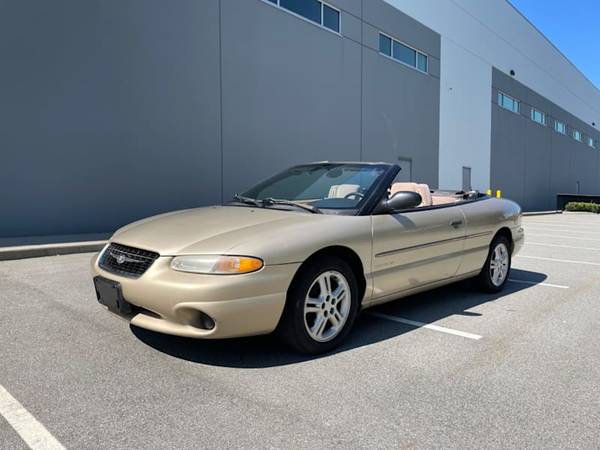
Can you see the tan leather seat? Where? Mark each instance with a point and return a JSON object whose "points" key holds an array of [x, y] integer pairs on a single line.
{"points": [[421, 189], [443, 199], [341, 190]]}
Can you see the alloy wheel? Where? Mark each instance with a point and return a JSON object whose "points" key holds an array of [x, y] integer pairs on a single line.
{"points": [[327, 306], [499, 264]]}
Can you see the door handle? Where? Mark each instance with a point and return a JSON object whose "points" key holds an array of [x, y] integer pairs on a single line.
{"points": [[457, 223]]}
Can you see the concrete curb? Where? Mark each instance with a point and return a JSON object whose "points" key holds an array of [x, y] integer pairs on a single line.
{"points": [[35, 251], [541, 213]]}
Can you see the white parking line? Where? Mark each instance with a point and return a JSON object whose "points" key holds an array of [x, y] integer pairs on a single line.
{"points": [[558, 286], [429, 326], [563, 224], [31, 431], [587, 263], [562, 246], [561, 230], [564, 237]]}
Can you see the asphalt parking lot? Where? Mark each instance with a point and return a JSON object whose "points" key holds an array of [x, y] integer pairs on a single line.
{"points": [[520, 369]]}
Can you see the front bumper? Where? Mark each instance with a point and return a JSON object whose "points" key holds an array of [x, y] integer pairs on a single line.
{"points": [[240, 305], [518, 239]]}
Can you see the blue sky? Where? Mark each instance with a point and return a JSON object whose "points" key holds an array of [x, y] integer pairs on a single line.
{"points": [[572, 26]]}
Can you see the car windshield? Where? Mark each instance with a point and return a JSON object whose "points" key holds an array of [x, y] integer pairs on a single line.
{"points": [[322, 186]]}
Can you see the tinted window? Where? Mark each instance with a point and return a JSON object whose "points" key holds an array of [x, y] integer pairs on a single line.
{"points": [[422, 62], [560, 127], [405, 54], [508, 102], [538, 116], [311, 9], [331, 18], [385, 45]]}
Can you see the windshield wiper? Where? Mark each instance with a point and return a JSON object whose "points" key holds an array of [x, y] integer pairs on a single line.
{"points": [[247, 200], [275, 201]]}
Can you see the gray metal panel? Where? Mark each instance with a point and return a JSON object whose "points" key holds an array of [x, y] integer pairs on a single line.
{"points": [[115, 109], [560, 165], [537, 148], [508, 154], [532, 163], [109, 112], [513, 87], [291, 93], [371, 36], [351, 27], [584, 168], [401, 116]]}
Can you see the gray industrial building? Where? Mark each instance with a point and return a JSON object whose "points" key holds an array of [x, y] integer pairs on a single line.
{"points": [[113, 110]]}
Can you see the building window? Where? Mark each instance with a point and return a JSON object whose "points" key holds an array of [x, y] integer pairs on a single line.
{"points": [[331, 18], [577, 135], [403, 53], [385, 45], [313, 10], [507, 102], [560, 127], [538, 116], [591, 142], [422, 62]]}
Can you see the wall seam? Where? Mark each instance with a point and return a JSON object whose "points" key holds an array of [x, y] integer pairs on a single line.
{"points": [[221, 97], [362, 73]]}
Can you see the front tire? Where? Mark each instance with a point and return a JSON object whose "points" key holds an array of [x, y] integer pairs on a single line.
{"points": [[321, 307], [494, 274]]}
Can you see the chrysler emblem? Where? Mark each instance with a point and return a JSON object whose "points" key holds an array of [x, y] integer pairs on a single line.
{"points": [[120, 258]]}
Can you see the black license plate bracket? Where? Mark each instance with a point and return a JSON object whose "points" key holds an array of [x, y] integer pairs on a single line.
{"points": [[110, 294]]}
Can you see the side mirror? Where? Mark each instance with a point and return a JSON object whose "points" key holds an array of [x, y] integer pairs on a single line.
{"points": [[399, 201]]}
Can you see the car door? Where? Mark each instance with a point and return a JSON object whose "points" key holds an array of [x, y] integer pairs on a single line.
{"points": [[415, 248]]}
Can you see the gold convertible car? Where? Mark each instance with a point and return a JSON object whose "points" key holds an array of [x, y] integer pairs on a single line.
{"points": [[302, 253]]}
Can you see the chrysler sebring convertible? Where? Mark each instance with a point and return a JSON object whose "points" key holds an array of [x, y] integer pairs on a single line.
{"points": [[302, 253]]}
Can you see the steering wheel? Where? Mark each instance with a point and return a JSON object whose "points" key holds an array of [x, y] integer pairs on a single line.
{"points": [[355, 194]]}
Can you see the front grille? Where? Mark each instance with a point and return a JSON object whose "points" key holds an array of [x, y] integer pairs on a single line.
{"points": [[127, 261]]}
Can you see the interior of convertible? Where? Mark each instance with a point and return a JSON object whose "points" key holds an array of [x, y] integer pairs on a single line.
{"points": [[429, 197], [341, 188]]}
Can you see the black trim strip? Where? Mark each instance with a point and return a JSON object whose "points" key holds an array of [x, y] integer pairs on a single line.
{"points": [[431, 244], [424, 262], [485, 233]]}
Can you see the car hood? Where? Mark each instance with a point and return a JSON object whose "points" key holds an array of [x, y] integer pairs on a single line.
{"points": [[214, 229]]}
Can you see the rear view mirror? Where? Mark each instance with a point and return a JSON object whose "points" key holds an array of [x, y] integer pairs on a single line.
{"points": [[399, 201]]}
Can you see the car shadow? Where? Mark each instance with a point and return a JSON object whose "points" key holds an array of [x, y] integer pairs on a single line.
{"points": [[268, 351]]}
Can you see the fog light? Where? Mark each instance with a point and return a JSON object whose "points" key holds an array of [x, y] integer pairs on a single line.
{"points": [[204, 321], [195, 318]]}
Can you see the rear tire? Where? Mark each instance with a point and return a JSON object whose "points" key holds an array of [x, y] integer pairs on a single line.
{"points": [[496, 269], [322, 304]]}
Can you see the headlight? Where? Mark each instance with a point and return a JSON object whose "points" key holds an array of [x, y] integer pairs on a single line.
{"points": [[216, 264]]}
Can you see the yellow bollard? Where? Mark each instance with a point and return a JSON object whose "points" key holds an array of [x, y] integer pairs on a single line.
{"points": [[498, 193], [489, 192]]}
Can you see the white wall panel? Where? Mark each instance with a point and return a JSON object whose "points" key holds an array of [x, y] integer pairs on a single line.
{"points": [[465, 118]]}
